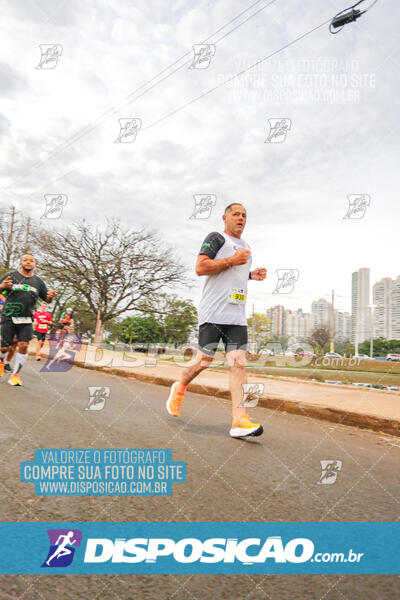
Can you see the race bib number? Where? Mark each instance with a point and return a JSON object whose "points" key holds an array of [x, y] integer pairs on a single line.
{"points": [[21, 320], [42, 326], [237, 296]]}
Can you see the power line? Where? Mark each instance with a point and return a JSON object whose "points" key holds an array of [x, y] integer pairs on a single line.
{"points": [[130, 97], [235, 76]]}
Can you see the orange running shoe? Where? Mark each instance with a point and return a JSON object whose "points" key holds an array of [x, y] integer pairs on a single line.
{"points": [[174, 401], [1, 368], [15, 380], [244, 427]]}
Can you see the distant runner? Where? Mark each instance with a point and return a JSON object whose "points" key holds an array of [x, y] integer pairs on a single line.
{"points": [[12, 350], [225, 260], [66, 322], [42, 321], [23, 289]]}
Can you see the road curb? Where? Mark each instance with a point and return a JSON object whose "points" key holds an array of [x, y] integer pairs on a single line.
{"points": [[274, 402]]}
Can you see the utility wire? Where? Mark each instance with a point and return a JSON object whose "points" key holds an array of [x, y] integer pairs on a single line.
{"points": [[236, 76], [131, 96]]}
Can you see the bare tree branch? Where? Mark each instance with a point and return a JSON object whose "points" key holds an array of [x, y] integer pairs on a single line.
{"points": [[112, 268]]}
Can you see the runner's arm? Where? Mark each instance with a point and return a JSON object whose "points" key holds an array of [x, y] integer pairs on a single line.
{"points": [[205, 264], [209, 266], [43, 293], [6, 282]]}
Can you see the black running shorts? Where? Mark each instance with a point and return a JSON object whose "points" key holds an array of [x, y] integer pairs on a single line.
{"points": [[234, 337], [23, 331], [41, 336]]}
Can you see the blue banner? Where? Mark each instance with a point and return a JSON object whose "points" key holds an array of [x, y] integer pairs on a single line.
{"points": [[103, 472], [243, 548]]}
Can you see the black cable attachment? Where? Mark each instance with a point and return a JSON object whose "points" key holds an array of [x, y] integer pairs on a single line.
{"points": [[348, 15]]}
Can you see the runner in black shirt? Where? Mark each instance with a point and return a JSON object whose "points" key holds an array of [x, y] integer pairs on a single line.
{"points": [[23, 289]]}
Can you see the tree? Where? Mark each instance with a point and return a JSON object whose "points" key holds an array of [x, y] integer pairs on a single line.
{"points": [[320, 339], [177, 316], [113, 269], [344, 347], [84, 320], [14, 238], [382, 346], [258, 329], [146, 330]]}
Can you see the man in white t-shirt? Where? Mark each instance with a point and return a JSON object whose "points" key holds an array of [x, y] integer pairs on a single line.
{"points": [[225, 261]]}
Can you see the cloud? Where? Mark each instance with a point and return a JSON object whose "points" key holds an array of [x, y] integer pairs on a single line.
{"points": [[338, 91]]}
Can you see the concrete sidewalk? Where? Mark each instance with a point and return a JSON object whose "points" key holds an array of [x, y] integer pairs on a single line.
{"points": [[368, 408]]}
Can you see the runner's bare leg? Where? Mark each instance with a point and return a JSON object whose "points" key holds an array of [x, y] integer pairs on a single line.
{"points": [[237, 375]]}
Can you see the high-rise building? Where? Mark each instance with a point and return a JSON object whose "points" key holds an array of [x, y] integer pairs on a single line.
{"points": [[395, 330], [320, 313], [382, 314], [386, 295], [342, 325], [360, 310], [276, 317], [297, 324]]}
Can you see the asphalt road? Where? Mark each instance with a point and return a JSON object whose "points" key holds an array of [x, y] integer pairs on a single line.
{"points": [[270, 478]]}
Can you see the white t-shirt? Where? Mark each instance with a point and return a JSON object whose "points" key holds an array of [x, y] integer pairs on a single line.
{"points": [[224, 295]]}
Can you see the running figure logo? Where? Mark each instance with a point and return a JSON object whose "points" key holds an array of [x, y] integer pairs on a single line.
{"points": [[50, 55], [251, 394], [286, 280], [203, 205], [357, 206], [128, 129], [62, 353], [330, 470], [278, 129], [203, 54], [61, 551], [97, 397], [55, 204]]}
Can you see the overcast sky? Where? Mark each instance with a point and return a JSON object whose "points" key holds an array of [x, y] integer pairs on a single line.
{"points": [[340, 92]]}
